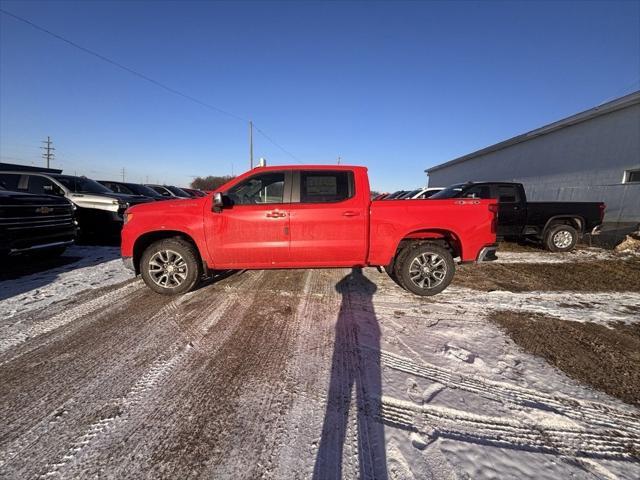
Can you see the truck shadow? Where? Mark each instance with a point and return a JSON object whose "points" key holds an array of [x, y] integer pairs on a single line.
{"points": [[354, 367]]}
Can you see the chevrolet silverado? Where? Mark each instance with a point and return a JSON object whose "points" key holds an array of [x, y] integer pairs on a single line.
{"points": [[305, 217]]}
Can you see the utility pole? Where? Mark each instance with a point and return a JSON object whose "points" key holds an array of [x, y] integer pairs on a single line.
{"points": [[122, 171], [250, 145], [48, 154], [339, 158]]}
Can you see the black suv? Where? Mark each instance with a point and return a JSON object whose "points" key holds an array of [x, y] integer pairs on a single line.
{"points": [[35, 223]]}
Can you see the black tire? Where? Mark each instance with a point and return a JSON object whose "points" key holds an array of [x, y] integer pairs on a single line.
{"points": [[561, 238], [433, 280], [171, 249]]}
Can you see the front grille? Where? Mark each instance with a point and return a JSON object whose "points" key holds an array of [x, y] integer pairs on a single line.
{"points": [[21, 217]]}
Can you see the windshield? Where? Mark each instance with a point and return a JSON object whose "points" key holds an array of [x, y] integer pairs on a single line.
{"points": [[144, 190], [178, 192], [452, 191], [82, 184]]}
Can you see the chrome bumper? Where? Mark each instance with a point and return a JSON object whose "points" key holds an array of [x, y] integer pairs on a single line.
{"points": [[487, 254]]}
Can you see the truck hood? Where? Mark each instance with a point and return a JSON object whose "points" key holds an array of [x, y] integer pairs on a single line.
{"points": [[19, 198], [169, 205]]}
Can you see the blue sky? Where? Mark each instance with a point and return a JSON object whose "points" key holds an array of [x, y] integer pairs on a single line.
{"points": [[395, 86]]}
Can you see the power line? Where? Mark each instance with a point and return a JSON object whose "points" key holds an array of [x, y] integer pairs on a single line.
{"points": [[145, 77], [121, 66], [276, 144]]}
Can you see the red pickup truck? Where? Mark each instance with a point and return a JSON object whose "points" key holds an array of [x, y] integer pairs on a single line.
{"points": [[305, 217]]}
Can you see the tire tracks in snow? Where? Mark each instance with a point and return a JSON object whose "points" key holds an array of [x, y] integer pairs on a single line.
{"points": [[580, 410], [220, 403], [19, 333], [129, 407], [436, 421], [72, 411]]}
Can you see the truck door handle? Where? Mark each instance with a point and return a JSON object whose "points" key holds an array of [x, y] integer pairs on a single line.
{"points": [[276, 214], [350, 213]]}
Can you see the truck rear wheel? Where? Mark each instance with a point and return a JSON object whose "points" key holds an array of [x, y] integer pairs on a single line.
{"points": [[561, 238], [170, 266], [425, 269]]}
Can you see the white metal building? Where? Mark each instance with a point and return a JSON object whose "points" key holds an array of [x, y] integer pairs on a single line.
{"points": [[591, 156]]}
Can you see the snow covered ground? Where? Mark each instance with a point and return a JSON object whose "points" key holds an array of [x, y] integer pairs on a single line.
{"points": [[88, 267], [321, 374]]}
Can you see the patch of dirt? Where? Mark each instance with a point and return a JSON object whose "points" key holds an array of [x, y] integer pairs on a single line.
{"points": [[596, 276], [605, 358]]}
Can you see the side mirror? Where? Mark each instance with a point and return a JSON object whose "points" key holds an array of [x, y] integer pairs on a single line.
{"points": [[218, 202]]}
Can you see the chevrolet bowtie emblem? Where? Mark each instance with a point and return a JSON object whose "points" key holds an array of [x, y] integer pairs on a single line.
{"points": [[44, 210]]}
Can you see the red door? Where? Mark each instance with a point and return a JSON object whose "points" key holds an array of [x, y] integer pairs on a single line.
{"points": [[253, 231], [327, 220]]}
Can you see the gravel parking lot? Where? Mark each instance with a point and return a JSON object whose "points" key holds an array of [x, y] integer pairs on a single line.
{"points": [[323, 373]]}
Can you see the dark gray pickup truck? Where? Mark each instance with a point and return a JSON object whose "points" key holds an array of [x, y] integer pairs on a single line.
{"points": [[558, 225]]}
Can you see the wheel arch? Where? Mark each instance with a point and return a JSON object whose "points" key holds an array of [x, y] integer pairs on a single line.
{"points": [[146, 239], [576, 221], [443, 237]]}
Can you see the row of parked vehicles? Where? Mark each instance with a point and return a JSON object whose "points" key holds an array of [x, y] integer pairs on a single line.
{"points": [[285, 217], [43, 213]]}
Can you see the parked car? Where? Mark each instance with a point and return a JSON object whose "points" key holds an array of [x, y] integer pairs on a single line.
{"points": [[558, 225], [169, 191], [380, 196], [131, 189], [195, 192], [423, 193], [304, 217], [99, 210], [42, 224], [395, 194]]}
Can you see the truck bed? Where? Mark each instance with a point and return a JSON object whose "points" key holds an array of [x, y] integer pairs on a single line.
{"points": [[471, 224], [590, 213]]}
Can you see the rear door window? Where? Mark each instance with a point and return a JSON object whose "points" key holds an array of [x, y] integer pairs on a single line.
{"points": [[508, 194], [9, 181], [325, 186], [40, 185], [478, 191]]}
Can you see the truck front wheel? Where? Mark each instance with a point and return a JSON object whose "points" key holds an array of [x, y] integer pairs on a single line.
{"points": [[561, 238], [170, 266], [425, 269]]}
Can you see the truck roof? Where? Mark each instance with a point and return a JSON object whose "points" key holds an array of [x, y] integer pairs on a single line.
{"points": [[308, 167]]}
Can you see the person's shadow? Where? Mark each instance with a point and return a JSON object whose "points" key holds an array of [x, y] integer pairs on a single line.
{"points": [[353, 365]]}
